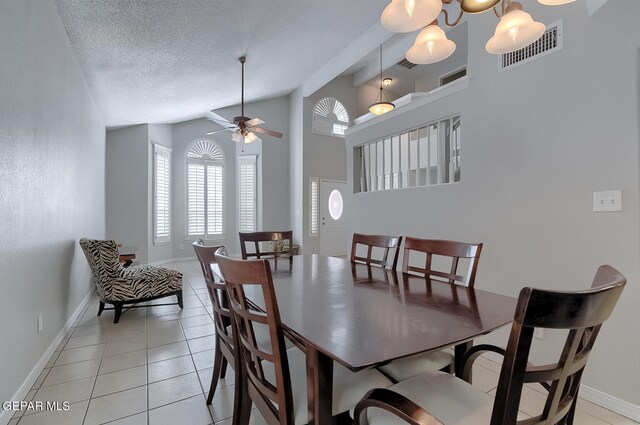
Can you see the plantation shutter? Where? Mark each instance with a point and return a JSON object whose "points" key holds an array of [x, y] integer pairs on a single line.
{"points": [[162, 194], [314, 203], [195, 201], [214, 199], [248, 201]]}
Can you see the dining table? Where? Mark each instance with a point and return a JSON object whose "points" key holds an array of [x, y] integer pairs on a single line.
{"points": [[366, 316]]}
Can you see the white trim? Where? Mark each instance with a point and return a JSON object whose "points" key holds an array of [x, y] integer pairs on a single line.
{"points": [[610, 402], [6, 415], [367, 120], [172, 260]]}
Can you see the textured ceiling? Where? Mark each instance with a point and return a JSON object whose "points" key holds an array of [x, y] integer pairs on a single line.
{"points": [[163, 61]]}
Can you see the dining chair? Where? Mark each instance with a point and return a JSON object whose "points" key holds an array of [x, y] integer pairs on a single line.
{"points": [[386, 243], [274, 242], [224, 353], [444, 251], [274, 378], [439, 398]]}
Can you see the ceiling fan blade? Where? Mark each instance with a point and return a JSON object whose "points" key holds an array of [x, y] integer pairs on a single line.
{"points": [[253, 122], [221, 130], [267, 132], [212, 116]]}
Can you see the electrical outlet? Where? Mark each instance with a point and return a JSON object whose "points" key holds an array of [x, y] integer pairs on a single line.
{"points": [[39, 322], [538, 333], [607, 201]]}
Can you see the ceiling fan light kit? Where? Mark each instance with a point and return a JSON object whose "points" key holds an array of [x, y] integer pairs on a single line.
{"points": [[242, 129], [516, 28]]}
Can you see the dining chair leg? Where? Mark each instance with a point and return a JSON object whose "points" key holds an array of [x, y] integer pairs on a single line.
{"points": [[217, 367], [242, 400], [223, 369]]}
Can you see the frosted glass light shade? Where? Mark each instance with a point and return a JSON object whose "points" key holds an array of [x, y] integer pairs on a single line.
{"points": [[515, 30], [249, 137], [380, 108], [410, 15], [477, 6], [555, 2], [431, 46]]}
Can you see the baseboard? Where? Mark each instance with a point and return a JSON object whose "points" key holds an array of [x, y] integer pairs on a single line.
{"points": [[621, 407], [172, 260], [6, 415]]}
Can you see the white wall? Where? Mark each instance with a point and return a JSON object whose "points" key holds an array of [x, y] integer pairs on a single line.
{"points": [[537, 141], [273, 157], [296, 156], [52, 153], [127, 176]]}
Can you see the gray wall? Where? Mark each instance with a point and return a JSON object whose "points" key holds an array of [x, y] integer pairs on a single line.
{"points": [[325, 157], [273, 164], [127, 175], [296, 155], [52, 152], [538, 140]]}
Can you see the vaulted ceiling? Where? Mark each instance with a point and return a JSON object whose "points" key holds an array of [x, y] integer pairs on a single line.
{"points": [[163, 61]]}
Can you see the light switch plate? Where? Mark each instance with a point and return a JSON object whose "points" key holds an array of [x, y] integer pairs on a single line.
{"points": [[607, 201]]}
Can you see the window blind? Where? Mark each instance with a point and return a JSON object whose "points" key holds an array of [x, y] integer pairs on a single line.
{"points": [[162, 194], [248, 203], [314, 203]]}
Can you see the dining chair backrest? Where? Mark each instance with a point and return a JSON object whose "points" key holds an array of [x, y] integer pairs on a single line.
{"points": [[581, 313], [386, 243], [443, 248], [259, 239], [217, 293], [273, 398]]}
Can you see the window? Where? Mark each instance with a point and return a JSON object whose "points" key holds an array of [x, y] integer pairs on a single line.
{"points": [[330, 117], [162, 194], [314, 202], [205, 187], [248, 202], [422, 156]]}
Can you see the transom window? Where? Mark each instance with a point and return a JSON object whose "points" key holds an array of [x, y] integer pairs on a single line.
{"points": [[330, 117], [205, 190]]}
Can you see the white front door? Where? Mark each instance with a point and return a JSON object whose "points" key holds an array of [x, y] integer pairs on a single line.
{"points": [[333, 240]]}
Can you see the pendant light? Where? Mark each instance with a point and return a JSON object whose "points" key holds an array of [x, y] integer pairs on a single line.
{"points": [[477, 6], [431, 46], [515, 30], [381, 107], [410, 15]]}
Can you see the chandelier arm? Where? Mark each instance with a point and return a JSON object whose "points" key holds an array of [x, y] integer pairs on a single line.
{"points": [[495, 10], [454, 23]]}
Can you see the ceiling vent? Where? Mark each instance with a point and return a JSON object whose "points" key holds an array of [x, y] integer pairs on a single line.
{"points": [[406, 64], [551, 41]]}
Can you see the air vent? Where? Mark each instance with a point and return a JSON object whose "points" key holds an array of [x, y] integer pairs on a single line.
{"points": [[406, 64], [551, 41]]}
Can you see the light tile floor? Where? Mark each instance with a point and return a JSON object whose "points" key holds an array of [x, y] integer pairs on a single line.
{"points": [[155, 366]]}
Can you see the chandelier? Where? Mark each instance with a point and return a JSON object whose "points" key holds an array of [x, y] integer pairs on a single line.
{"points": [[515, 30]]}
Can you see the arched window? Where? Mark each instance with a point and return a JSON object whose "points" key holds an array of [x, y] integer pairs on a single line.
{"points": [[205, 188], [330, 117]]}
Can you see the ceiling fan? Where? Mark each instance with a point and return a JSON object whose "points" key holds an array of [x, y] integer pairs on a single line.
{"points": [[243, 128]]}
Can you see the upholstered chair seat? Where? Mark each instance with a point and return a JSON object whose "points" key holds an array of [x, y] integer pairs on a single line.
{"points": [[119, 286]]}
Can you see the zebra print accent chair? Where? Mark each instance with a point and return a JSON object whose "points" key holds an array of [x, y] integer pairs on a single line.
{"points": [[119, 286]]}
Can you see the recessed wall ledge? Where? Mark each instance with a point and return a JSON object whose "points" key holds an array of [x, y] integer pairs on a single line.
{"points": [[409, 102]]}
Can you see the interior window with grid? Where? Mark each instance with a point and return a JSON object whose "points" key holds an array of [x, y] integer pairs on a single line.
{"points": [[205, 190], [423, 156]]}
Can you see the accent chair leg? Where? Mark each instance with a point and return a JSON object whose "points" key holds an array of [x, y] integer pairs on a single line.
{"points": [[118, 311], [217, 366], [100, 308], [179, 296]]}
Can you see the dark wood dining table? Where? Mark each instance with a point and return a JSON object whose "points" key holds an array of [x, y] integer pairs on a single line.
{"points": [[363, 317]]}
